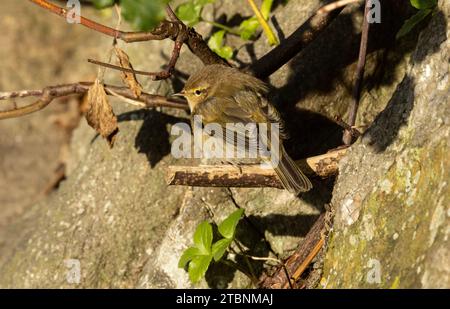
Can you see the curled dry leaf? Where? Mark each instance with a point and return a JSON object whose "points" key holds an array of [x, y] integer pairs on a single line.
{"points": [[100, 115], [128, 78]]}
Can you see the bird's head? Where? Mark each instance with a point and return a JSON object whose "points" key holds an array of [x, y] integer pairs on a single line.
{"points": [[218, 81], [200, 86]]}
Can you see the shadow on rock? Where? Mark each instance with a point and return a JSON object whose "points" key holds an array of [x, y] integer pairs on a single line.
{"points": [[153, 138], [387, 125], [323, 65], [276, 224], [310, 133]]}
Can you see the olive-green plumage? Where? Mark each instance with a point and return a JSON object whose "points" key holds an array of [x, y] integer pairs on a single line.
{"points": [[224, 95]]}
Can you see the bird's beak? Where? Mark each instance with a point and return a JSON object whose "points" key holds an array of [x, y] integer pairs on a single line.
{"points": [[182, 94]]}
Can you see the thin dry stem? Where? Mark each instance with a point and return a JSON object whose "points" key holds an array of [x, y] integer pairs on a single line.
{"points": [[48, 94]]}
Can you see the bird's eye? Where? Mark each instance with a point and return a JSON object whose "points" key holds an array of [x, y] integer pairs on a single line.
{"points": [[197, 92]]}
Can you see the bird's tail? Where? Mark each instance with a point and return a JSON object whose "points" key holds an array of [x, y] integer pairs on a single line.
{"points": [[290, 174]]}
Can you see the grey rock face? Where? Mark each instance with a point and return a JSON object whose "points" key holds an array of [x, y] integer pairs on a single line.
{"points": [[392, 194]]}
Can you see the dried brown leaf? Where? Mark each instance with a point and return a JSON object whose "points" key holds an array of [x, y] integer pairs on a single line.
{"points": [[128, 78], [100, 115]]}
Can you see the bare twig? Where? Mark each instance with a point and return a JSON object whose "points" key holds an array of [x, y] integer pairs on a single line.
{"points": [[266, 259], [20, 94], [119, 68], [163, 31], [171, 14], [177, 31], [173, 29], [335, 5], [295, 43], [127, 100], [298, 261], [359, 75], [252, 175], [48, 94], [354, 132], [155, 75], [309, 258]]}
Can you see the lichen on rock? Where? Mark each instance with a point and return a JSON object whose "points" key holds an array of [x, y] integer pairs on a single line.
{"points": [[399, 174]]}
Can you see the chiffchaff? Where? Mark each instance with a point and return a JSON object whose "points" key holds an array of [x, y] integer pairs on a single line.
{"points": [[225, 95]]}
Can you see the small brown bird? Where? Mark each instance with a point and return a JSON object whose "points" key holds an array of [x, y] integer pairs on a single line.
{"points": [[222, 95]]}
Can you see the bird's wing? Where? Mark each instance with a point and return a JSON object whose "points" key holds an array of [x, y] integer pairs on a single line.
{"points": [[226, 112], [264, 112]]}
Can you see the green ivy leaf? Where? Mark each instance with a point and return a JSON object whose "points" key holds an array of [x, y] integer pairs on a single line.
{"points": [[248, 27], [412, 22], [203, 237], [143, 14], [225, 52], [198, 267], [219, 248], [423, 4], [215, 42], [188, 255], [101, 4], [228, 226], [189, 13]]}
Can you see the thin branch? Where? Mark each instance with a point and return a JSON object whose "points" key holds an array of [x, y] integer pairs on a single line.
{"points": [[122, 69], [154, 75], [266, 259], [46, 97], [302, 256], [359, 75], [294, 44], [157, 34], [177, 31], [165, 30], [252, 175], [196, 43], [171, 14], [307, 261], [48, 94], [181, 38], [129, 101], [335, 5], [20, 94], [354, 132]]}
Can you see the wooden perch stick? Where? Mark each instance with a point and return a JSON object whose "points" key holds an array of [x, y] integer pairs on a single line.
{"points": [[253, 175]]}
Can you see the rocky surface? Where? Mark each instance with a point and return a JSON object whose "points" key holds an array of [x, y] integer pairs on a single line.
{"points": [[37, 50], [115, 215], [392, 196]]}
